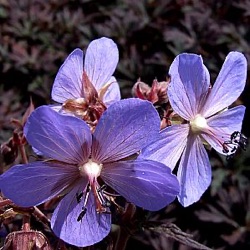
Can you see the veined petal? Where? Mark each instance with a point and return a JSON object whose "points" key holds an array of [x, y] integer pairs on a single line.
{"points": [[113, 93], [124, 128], [194, 172], [63, 138], [58, 108], [68, 81], [147, 184], [222, 126], [34, 183], [93, 226], [228, 86], [169, 147], [101, 60], [189, 85]]}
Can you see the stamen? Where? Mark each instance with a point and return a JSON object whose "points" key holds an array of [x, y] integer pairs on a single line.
{"points": [[102, 196], [81, 215], [101, 202], [112, 199], [237, 139], [79, 198]]}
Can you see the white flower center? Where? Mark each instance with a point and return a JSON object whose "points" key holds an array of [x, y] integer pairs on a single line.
{"points": [[91, 169], [198, 124]]}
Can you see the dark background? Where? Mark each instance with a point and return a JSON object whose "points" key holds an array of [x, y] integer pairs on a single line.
{"points": [[37, 35]]}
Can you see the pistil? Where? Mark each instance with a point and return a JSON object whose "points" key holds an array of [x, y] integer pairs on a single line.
{"points": [[198, 124]]}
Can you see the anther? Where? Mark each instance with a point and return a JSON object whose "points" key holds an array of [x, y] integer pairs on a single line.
{"points": [[79, 198], [237, 139], [81, 215]]}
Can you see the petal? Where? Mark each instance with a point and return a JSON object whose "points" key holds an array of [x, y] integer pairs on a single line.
{"points": [[194, 172], [124, 128], [68, 81], [63, 138], [101, 60], [222, 126], [34, 183], [189, 85], [61, 110], [113, 93], [169, 147], [229, 84], [147, 184], [91, 229]]}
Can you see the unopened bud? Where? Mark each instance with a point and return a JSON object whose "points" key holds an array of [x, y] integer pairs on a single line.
{"points": [[21, 240]]}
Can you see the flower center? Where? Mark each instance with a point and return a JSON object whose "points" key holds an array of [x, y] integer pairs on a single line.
{"points": [[91, 169], [198, 124]]}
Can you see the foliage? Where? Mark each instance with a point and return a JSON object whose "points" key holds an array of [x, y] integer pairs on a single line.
{"points": [[37, 35]]}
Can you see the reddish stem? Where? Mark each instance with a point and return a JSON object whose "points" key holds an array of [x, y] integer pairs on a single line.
{"points": [[23, 154], [26, 223]]}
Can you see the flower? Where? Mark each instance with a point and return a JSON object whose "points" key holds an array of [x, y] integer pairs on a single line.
{"points": [[157, 94], [84, 84], [207, 120], [79, 160]]}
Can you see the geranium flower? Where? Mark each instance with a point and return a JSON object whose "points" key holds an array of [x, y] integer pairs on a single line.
{"points": [[84, 84], [82, 160], [207, 120]]}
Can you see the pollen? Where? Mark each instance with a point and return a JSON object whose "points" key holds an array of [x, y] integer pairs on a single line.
{"points": [[198, 124], [91, 169]]}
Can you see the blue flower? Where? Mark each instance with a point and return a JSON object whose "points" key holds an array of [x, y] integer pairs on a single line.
{"points": [[207, 120], [79, 159]]}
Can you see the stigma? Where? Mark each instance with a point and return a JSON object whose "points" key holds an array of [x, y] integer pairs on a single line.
{"points": [[91, 169], [198, 124]]}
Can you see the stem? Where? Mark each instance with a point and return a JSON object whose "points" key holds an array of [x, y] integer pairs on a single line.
{"points": [[23, 154], [122, 239], [124, 232], [40, 216], [26, 223]]}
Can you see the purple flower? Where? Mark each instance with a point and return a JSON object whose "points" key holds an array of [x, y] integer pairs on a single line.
{"points": [[79, 161], [86, 81], [208, 120]]}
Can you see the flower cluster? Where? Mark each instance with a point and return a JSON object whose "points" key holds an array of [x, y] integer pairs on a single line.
{"points": [[96, 146]]}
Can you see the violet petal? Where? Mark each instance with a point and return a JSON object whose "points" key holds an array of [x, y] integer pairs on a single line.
{"points": [[229, 84], [147, 184], [194, 172], [100, 61], [124, 128], [169, 147], [93, 226], [189, 85], [34, 183], [60, 137], [68, 81], [222, 126], [113, 93]]}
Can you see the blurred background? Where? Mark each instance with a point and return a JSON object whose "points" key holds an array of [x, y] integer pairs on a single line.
{"points": [[37, 35]]}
